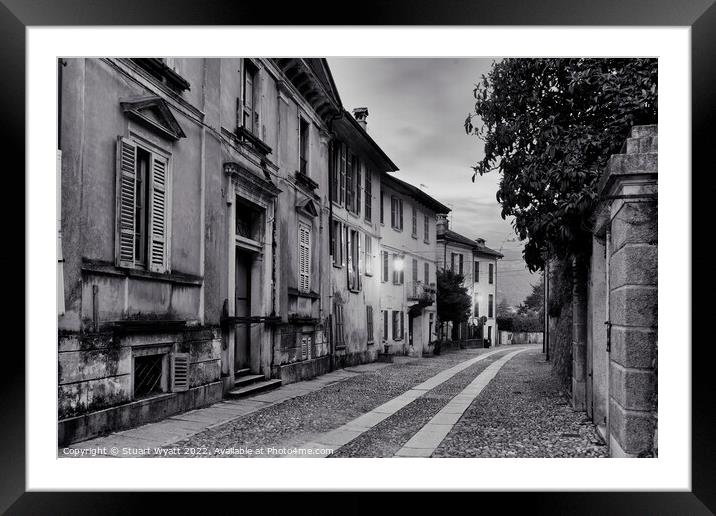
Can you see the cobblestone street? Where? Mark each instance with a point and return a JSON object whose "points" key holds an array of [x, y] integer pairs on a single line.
{"points": [[500, 402]]}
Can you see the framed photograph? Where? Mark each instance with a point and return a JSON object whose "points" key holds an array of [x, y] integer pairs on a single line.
{"points": [[428, 240]]}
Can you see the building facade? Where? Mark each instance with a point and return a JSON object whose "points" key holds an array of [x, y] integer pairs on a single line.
{"points": [[134, 342], [224, 222], [478, 265], [408, 267], [484, 297], [273, 254], [358, 165], [194, 232]]}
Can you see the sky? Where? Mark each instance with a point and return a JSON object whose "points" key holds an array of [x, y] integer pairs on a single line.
{"points": [[417, 109]]}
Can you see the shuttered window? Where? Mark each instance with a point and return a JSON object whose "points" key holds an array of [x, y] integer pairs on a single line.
{"points": [[303, 134], [335, 169], [398, 325], [427, 273], [414, 223], [368, 255], [338, 336], [337, 244], [385, 325], [369, 323], [126, 201], [368, 195], [491, 272], [477, 272], [396, 213], [355, 258], [426, 229], [357, 166], [350, 181], [490, 305], [180, 372], [385, 266], [382, 207], [158, 215], [142, 207], [248, 100], [342, 175], [304, 258]]}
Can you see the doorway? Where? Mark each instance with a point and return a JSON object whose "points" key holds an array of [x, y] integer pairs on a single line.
{"points": [[242, 355]]}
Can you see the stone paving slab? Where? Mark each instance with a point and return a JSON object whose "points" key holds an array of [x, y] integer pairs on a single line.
{"points": [[429, 437], [523, 413], [358, 426], [367, 368], [185, 424]]}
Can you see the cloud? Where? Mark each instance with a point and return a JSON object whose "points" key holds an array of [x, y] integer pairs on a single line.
{"points": [[417, 108]]}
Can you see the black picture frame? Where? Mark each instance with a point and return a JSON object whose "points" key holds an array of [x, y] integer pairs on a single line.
{"points": [[700, 15]]}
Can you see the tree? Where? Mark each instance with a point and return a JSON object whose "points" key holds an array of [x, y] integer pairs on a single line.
{"points": [[549, 127], [503, 309], [535, 300], [453, 301]]}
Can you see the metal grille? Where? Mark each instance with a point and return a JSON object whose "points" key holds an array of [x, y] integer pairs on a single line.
{"points": [[147, 375]]}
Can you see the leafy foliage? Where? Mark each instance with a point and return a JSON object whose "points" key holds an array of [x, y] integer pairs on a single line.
{"points": [[453, 301], [535, 300], [549, 127]]}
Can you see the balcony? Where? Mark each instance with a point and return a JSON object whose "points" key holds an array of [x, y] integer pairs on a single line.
{"points": [[423, 293]]}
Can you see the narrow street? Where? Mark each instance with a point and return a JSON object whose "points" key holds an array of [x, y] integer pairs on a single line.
{"points": [[500, 402]]}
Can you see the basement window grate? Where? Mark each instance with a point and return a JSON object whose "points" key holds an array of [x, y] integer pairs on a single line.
{"points": [[148, 371]]}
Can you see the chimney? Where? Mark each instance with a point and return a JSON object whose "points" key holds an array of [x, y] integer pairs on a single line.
{"points": [[361, 114], [480, 242], [442, 224]]}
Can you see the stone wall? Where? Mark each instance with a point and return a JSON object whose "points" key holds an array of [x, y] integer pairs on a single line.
{"points": [[627, 219], [95, 379]]}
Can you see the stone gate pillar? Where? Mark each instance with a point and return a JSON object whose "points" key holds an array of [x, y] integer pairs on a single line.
{"points": [[629, 190]]}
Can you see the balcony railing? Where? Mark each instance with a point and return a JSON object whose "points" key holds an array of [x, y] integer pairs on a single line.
{"points": [[420, 291]]}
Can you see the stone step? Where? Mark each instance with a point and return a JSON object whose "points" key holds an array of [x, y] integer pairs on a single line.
{"points": [[642, 131], [242, 372], [254, 388], [248, 379], [642, 145]]}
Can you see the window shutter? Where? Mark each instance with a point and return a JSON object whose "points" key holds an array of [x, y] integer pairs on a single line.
{"points": [[158, 216], [126, 179], [343, 174], [180, 371], [400, 204], [304, 258], [349, 249], [359, 237], [359, 184], [402, 324]]}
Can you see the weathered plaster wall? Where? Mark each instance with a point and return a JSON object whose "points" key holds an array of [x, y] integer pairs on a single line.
{"points": [[395, 297], [95, 377]]}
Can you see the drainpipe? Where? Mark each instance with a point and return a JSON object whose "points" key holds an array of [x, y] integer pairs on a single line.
{"points": [[330, 234]]}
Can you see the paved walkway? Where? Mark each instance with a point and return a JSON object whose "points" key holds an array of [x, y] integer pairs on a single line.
{"points": [[326, 443], [499, 402], [135, 441], [429, 437]]}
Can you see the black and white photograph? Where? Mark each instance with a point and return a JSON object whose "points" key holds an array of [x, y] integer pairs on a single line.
{"points": [[344, 257]]}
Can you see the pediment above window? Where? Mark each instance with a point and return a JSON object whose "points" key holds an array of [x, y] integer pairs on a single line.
{"points": [[307, 207], [154, 113]]}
